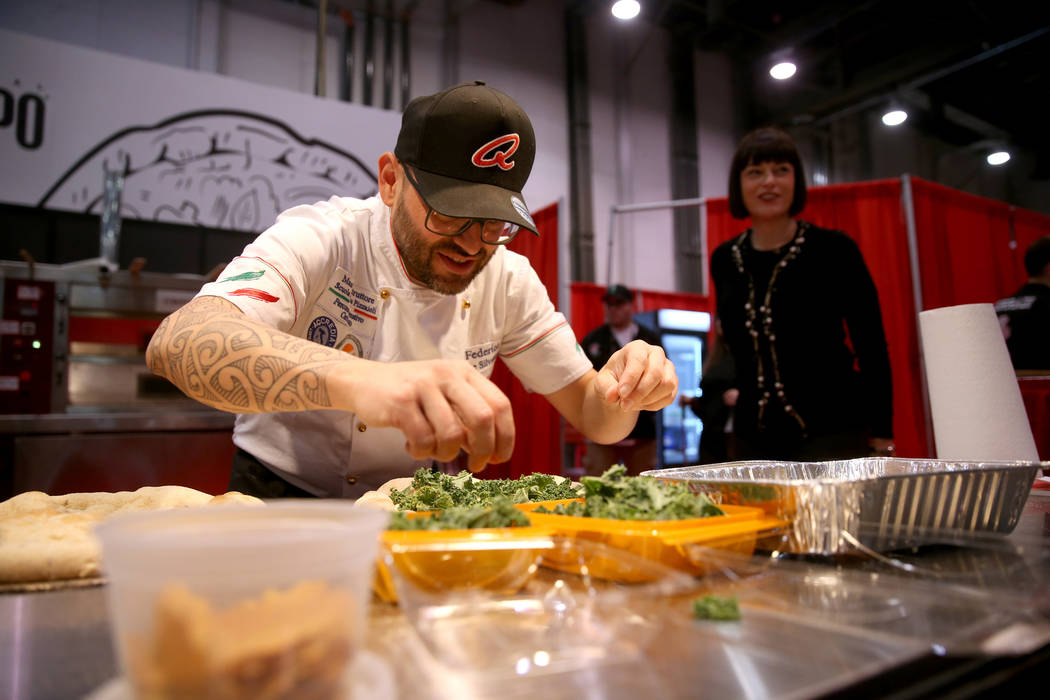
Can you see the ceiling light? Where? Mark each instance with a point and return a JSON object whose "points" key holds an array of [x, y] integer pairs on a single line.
{"points": [[894, 117], [626, 9], [998, 158], [783, 70]]}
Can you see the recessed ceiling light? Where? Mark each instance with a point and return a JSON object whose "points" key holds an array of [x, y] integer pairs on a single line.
{"points": [[783, 70], [626, 9], [894, 117], [998, 158]]}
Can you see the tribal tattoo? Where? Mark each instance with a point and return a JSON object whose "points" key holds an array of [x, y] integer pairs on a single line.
{"points": [[220, 357]]}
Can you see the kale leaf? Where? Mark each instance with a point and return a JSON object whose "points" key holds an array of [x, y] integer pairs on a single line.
{"points": [[432, 490], [713, 607], [616, 495], [501, 514]]}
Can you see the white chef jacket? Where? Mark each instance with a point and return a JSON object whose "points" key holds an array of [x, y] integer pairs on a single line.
{"points": [[331, 273]]}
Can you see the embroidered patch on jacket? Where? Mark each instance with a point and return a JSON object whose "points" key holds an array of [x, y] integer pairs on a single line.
{"points": [[352, 345], [322, 331], [245, 276], [482, 356], [257, 294]]}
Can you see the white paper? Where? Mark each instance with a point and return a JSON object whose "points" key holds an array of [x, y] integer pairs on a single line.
{"points": [[975, 401]]}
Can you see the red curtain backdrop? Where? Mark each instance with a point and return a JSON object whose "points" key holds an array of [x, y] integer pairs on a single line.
{"points": [[964, 247], [537, 426], [871, 214], [1035, 392], [971, 251]]}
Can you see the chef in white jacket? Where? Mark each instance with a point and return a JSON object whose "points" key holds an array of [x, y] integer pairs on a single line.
{"points": [[354, 338]]}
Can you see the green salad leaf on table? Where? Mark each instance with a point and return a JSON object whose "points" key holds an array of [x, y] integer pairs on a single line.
{"points": [[502, 513], [432, 490], [713, 607], [618, 496]]}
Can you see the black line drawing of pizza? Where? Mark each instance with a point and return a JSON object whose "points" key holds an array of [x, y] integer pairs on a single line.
{"points": [[224, 169]]}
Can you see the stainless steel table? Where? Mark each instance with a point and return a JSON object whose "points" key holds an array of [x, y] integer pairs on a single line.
{"points": [[810, 628]]}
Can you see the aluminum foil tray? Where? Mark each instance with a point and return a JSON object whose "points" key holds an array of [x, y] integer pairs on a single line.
{"points": [[879, 503]]}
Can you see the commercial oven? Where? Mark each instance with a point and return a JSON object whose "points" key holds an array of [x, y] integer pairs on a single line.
{"points": [[79, 408]]}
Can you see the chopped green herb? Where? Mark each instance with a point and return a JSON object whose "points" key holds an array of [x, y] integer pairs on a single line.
{"points": [[615, 495], [501, 514], [432, 490], [713, 607]]}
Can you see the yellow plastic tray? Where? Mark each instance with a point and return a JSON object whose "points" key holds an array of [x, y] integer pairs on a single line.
{"points": [[501, 560], [687, 545], [533, 505]]}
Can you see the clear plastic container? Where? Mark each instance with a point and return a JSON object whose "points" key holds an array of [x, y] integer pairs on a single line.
{"points": [[240, 602], [556, 622]]}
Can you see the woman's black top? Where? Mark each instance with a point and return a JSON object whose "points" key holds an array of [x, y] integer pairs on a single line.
{"points": [[820, 343]]}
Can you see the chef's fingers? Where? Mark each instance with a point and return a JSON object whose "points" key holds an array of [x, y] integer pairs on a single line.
{"points": [[494, 425], [419, 434], [606, 385], [629, 365], [449, 433], [653, 384], [476, 420], [664, 389]]}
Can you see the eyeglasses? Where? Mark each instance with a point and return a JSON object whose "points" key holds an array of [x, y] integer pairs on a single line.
{"points": [[493, 231]]}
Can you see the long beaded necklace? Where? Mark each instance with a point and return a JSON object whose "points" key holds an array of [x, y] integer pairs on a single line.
{"points": [[759, 320]]}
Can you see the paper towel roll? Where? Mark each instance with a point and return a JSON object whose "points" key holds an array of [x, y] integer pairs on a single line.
{"points": [[978, 413]]}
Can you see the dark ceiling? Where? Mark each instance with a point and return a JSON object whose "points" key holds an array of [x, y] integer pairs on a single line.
{"points": [[969, 71]]}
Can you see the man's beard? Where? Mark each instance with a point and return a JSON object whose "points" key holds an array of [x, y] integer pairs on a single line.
{"points": [[418, 256]]}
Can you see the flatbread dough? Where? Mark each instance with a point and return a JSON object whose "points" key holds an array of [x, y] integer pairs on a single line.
{"points": [[400, 484], [375, 499], [49, 538], [380, 498]]}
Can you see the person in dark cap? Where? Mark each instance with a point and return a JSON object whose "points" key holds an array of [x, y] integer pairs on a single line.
{"points": [[1025, 316], [639, 450], [354, 338]]}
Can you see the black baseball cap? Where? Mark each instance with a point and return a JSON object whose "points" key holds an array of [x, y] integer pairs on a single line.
{"points": [[617, 293], [471, 149]]}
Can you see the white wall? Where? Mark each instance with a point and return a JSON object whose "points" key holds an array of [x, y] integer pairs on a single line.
{"points": [[526, 60], [154, 30], [630, 109]]}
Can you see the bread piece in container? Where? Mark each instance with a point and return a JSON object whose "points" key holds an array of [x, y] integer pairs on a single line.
{"points": [[294, 643]]}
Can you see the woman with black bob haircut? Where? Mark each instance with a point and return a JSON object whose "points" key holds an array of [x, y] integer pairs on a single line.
{"points": [[801, 317]]}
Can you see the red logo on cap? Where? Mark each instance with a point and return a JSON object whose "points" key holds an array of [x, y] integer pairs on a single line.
{"points": [[490, 154]]}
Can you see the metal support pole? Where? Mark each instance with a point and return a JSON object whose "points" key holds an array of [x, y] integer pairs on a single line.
{"points": [[370, 55], [319, 76], [916, 286], [388, 56], [647, 206]]}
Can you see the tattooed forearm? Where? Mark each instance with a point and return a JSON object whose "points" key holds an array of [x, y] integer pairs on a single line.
{"points": [[218, 356]]}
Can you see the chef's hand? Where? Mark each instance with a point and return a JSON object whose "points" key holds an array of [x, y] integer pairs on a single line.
{"points": [[442, 406], [638, 377]]}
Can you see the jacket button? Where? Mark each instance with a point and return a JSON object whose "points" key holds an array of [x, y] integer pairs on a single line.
{"points": [[351, 479], [384, 293], [361, 427]]}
